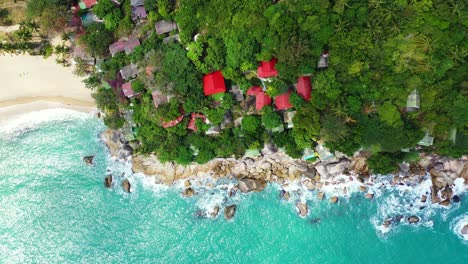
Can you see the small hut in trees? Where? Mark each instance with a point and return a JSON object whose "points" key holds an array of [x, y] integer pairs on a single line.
{"points": [[413, 101]]}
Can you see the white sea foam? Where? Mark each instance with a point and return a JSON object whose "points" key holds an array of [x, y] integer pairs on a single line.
{"points": [[32, 120]]}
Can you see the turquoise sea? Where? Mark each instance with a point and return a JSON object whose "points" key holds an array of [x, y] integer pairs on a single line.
{"points": [[55, 209]]}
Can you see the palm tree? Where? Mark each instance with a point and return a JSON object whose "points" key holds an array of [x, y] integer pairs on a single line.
{"points": [[23, 35], [375, 4], [34, 26]]}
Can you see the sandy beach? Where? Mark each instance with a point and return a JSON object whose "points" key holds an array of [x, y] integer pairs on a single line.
{"points": [[32, 83]]}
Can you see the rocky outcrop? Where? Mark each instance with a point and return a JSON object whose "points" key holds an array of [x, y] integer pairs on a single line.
{"points": [[126, 186], [189, 192], [369, 195], [423, 198], [230, 211], [320, 195], [116, 143], [88, 160], [215, 211], [413, 219], [302, 209], [108, 181], [251, 185]]}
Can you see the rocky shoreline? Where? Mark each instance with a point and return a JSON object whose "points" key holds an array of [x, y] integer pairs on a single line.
{"points": [[253, 174]]}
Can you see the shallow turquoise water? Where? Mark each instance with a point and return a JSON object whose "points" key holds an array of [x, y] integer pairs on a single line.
{"points": [[55, 209]]}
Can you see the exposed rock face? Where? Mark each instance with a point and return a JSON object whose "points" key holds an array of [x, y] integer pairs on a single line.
{"points": [[445, 202], [359, 165], [248, 185], [413, 219], [362, 188], [215, 211], [189, 192], [115, 141], [88, 160], [126, 185], [108, 181], [229, 211], [369, 195], [285, 195], [464, 230], [339, 167], [334, 199], [302, 209]]}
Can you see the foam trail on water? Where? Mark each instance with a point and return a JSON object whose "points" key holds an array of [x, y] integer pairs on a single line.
{"points": [[457, 225]]}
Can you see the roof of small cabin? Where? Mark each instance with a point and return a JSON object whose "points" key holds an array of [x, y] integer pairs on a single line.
{"points": [[129, 71], [80, 52], [117, 47], [172, 38], [213, 83], [127, 89], [137, 2], [413, 100], [159, 98], [282, 101], [254, 90], [261, 100], [131, 45], [238, 94], [87, 3], [267, 69], [139, 11], [304, 88], [193, 119], [165, 26], [173, 122], [323, 61]]}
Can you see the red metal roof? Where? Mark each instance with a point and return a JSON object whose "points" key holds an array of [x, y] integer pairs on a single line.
{"points": [[262, 99], [304, 88], [213, 83], [254, 90], [173, 122], [89, 3], [282, 101], [127, 89], [267, 69], [193, 119]]}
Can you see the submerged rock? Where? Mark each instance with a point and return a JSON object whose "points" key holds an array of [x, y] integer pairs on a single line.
{"points": [[108, 181], [334, 199], [369, 195], [362, 188], [189, 192], [445, 202], [251, 185], [456, 199], [464, 230], [229, 211], [88, 160], [285, 195], [302, 209], [387, 222], [413, 219], [320, 195], [126, 185]]}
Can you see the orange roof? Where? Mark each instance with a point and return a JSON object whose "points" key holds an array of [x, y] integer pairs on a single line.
{"points": [[213, 83], [267, 69], [282, 101], [262, 100], [304, 88]]}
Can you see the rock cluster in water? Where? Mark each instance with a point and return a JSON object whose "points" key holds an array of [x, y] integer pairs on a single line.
{"points": [[253, 174]]}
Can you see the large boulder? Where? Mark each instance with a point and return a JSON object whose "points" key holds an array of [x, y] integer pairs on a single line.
{"points": [[189, 192], [339, 167], [464, 230], [115, 141], [320, 195], [229, 211], [215, 211], [251, 185], [369, 195], [108, 181], [445, 202], [413, 219], [302, 209], [334, 199], [126, 185], [359, 165]]}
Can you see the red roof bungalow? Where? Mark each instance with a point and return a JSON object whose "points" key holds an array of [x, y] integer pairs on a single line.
{"points": [[213, 83], [262, 99], [267, 69], [254, 90], [193, 119], [304, 88], [131, 45], [127, 90], [173, 122], [87, 3], [282, 101]]}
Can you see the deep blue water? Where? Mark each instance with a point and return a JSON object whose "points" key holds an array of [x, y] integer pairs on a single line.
{"points": [[55, 209]]}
